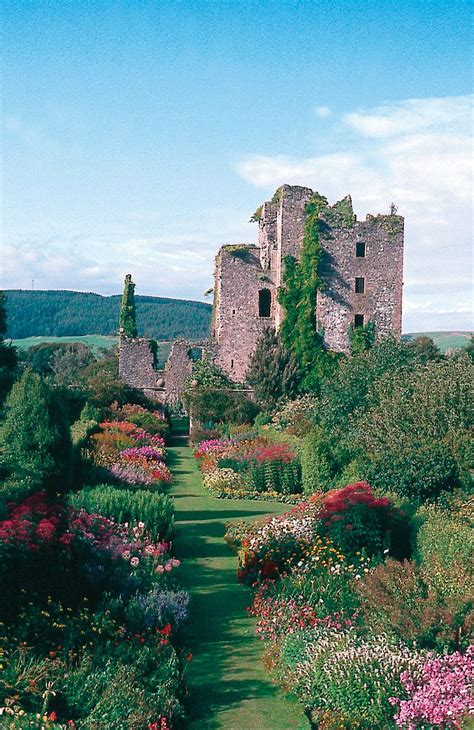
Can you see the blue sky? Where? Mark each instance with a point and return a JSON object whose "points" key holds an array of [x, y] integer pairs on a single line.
{"points": [[140, 136]]}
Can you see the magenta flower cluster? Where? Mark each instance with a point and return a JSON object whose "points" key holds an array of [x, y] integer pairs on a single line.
{"points": [[149, 453], [214, 446], [440, 695]]}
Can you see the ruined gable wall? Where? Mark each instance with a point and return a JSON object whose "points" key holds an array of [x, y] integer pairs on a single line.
{"points": [[136, 367], [382, 269], [239, 277]]}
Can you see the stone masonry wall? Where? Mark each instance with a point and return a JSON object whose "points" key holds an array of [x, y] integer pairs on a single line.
{"points": [[281, 230], [381, 269], [239, 277], [136, 367]]}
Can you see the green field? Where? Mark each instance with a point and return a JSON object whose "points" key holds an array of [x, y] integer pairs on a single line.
{"points": [[443, 340], [93, 341]]}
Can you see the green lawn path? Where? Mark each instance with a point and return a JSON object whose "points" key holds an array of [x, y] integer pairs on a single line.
{"points": [[228, 684]]}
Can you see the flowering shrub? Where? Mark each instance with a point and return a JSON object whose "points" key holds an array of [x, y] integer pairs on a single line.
{"points": [[355, 519], [211, 446], [154, 422], [280, 614], [440, 692], [130, 454], [141, 453], [220, 480], [133, 475], [401, 598], [335, 671], [296, 416]]}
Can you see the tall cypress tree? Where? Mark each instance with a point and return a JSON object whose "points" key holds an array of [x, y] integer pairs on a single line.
{"points": [[128, 319], [273, 371]]}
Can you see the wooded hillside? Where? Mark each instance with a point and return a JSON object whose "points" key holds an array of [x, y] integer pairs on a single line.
{"points": [[33, 313]]}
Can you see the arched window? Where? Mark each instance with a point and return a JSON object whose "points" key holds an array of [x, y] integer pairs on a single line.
{"points": [[264, 303]]}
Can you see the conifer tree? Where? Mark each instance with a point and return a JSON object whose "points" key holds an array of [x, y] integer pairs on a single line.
{"points": [[36, 439], [128, 319], [273, 371]]}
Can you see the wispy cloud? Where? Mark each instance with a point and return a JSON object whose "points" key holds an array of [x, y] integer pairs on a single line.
{"points": [[417, 153]]}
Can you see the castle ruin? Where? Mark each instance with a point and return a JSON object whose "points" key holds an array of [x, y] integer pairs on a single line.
{"points": [[362, 271]]}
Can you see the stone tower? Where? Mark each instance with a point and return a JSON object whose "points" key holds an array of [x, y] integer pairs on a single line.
{"points": [[362, 269]]}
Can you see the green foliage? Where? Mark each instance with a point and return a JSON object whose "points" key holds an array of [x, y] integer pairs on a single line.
{"points": [[276, 476], [85, 425], [206, 374], [424, 349], [8, 354], [361, 338], [210, 407], [273, 371], [213, 399], [55, 313], [39, 356], [102, 384], [132, 506], [128, 319], [403, 600], [317, 462], [68, 362], [36, 439], [297, 296], [420, 450], [445, 537]]}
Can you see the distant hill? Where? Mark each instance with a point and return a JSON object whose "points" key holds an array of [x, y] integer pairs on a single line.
{"points": [[69, 313], [443, 340]]}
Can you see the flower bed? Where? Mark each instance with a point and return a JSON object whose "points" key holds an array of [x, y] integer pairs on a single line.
{"points": [[249, 466], [351, 634], [130, 455], [90, 609]]}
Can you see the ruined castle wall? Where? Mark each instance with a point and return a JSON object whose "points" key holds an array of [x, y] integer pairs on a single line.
{"points": [[136, 367], [267, 234], [381, 269], [239, 278], [290, 231]]}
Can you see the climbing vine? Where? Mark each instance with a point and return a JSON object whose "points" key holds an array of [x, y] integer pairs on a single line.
{"points": [[128, 319], [297, 296], [361, 338]]}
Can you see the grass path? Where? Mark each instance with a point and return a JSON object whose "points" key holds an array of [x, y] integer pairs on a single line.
{"points": [[229, 686]]}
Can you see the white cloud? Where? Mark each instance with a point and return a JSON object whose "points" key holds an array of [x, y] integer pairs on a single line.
{"points": [[417, 153], [412, 115]]}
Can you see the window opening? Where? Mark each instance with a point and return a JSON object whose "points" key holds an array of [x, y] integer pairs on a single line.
{"points": [[359, 320], [264, 302], [195, 353], [360, 249], [359, 285]]}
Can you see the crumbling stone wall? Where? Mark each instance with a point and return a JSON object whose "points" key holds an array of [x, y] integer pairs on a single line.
{"points": [[244, 270], [136, 367], [238, 279], [241, 271], [381, 270]]}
